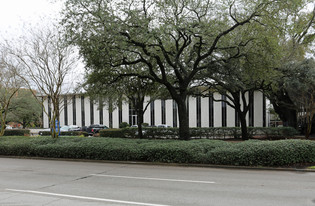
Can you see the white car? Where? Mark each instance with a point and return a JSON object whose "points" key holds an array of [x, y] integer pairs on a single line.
{"points": [[74, 128], [163, 125]]}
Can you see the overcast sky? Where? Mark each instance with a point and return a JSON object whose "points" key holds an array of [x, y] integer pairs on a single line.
{"points": [[15, 15]]}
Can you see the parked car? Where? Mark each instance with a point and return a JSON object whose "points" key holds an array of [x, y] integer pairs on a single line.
{"points": [[74, 128], [163, 125], [8, 127], [64, 128], [95, 128]]}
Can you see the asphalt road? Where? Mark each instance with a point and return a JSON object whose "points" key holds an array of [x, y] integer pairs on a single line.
{"points": [[25, 182]]}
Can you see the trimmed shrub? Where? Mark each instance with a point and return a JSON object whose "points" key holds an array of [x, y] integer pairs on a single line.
{"points": [[17, 132], [247, 153], [201, 133], [115, 133], [123, 125], [66, 133]]}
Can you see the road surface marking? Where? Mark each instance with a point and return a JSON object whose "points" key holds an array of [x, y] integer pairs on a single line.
{"points": [[157, 179], [84, 198]]}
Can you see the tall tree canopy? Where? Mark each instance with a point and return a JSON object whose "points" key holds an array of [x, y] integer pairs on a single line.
{"points": [[173, 40]]}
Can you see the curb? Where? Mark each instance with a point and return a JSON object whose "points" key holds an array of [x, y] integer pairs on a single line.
{"points": [[289, 169]]}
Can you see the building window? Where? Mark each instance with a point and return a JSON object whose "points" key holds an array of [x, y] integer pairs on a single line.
{"points": [[82, 112], [91, 111], [65, 109], [198, 111], [133, 119], [49, 111], [120, 112], [251, 109], [110, 119], [74, 111], [163, 111], [237, 119], [101, 111], [264, 110], [211, 110], [152, 112], [223, 105], [175, 111], [187, 108]]}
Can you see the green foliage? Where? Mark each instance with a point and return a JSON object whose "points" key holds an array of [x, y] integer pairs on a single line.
{"points": [[248, 153], [199, 133], [264, 153], [16, 132], [126, 38], [24, 109], [123, 125], [66, 133]]}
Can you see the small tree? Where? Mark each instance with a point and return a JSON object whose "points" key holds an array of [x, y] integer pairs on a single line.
{"points": [[25, 109], [301, 89], [10, 83], [46, 63]]}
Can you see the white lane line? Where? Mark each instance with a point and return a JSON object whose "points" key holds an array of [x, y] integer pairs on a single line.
{"points": [[157, 179], [84, 198]]}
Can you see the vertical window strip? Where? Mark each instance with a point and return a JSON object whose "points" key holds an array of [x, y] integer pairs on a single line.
{"points": [[163, 111], [42, 112], [120, 112], [264, 110], [237, 119], [74, 112], [211, 110], [65, 109], [91, 111], [49, 111], [82, 112], [251, 108], [152, 113], [175, 111], [101, 111], [110, 118], [223, 105], [187, 108], [198, 111]]}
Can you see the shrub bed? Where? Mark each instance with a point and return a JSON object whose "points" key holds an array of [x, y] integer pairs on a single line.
{"points": [[16, 132], [66, 133], [248, 153], [201, 133]]}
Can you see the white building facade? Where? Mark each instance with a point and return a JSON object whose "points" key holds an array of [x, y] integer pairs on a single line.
{"points": [[203, 112]]}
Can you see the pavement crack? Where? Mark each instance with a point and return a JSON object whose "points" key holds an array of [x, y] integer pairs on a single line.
{"points": [[81, 178]]}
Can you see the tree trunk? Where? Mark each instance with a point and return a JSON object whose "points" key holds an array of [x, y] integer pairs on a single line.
{"points": [[2, 128], [140, 119], [2, 122], [184, 133], [244, 130]]}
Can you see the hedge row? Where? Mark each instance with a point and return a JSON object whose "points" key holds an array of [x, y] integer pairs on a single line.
{"points": [[66, 133], [16, 132], [201, 133], [248, 153]]}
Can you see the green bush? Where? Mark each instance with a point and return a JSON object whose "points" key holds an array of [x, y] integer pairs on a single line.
{"points": [[66, 133], [115, 133], [16, 132], [202, 133], [123, 125], [204, 151]]}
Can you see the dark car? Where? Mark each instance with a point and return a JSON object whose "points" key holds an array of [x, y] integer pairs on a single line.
{"points": [[95, 128]]}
